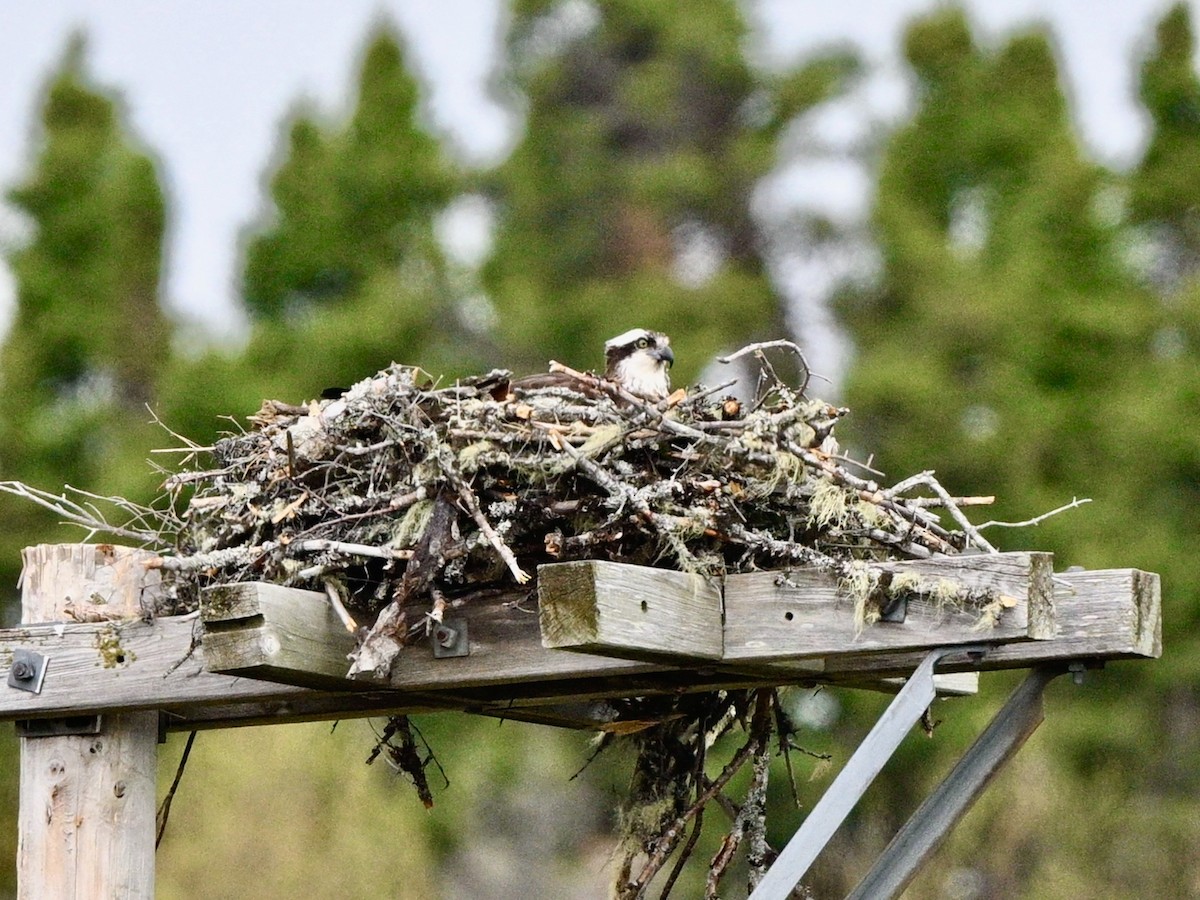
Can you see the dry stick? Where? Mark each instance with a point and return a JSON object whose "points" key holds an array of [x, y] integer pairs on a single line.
{"points": [[957, 514], [759, 731], [335, 600], [164, 810], [755, 813], [753, 809], [1037, 520], [697, 776], [758, 348], [506, 554], [670, 836], [684, 855], [930, 530], [75, 514]]}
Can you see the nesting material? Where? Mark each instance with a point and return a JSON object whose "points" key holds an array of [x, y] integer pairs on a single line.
{"points": [[402, 488]]}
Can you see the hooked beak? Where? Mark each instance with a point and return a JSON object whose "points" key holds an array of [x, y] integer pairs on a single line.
{"points": [[665, 355]]}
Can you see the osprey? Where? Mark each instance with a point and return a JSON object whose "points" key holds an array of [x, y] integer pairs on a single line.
{"points": [[637, 360]]}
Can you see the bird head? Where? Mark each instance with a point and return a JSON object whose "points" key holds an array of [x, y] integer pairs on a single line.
{"points": [[638, 360]]}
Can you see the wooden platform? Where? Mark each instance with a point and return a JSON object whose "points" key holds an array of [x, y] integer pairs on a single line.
{"points": [[596, 631]]}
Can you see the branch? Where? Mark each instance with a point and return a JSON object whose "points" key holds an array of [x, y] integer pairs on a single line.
{"points": [[1037, 520]]}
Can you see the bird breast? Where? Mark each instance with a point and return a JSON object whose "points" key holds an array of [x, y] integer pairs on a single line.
{"points": [[643, 375]]}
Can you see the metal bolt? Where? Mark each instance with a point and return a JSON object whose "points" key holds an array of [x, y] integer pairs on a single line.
{"points": [[1077, 669], [445, 635], [23, 670]]}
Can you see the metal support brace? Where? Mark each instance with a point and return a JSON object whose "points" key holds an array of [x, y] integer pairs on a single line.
{"points": [[854, 779], [933, 820]]}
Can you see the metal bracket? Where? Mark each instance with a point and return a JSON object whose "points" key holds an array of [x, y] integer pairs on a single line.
{"points": [[854, 779], [36, 728], [28, 671], [449, 639], [895, 610]]}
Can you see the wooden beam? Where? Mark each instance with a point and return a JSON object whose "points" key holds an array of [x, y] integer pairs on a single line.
{"points": [[275, 633], [633, 612], [87, 808], [135, 664], [1102, 615], [776, 617]]}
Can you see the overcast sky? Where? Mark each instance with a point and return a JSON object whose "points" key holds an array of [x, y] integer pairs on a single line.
{"points": [[207, 84]]}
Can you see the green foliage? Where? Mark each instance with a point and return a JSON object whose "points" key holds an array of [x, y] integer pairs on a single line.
{"points": [[348, 274], [627, 200], [353, 200], [1009, 343], [88, 336], [1164, 190], [1007, 324]]}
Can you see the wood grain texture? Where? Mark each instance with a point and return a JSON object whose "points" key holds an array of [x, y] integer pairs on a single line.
{"points": [[1102, 615], [86, 818], [810, 614], [139, 665], [634, 612], [276, 633]]}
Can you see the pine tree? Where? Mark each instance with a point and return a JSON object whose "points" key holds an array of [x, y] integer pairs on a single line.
{"points": [[81, 360], [1008, 346], [1164, 193], [628, 199], [351, 201], [347, 275]]}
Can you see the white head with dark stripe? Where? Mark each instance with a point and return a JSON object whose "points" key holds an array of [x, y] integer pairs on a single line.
{"points": [[638, 360]]}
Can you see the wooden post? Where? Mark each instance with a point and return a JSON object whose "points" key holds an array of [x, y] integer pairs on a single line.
{"points": [[87, 801]]}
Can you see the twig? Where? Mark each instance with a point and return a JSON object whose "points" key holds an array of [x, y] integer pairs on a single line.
{"points": [[758, 348], [468, 498], [1075, 503], [335, 600], [74, 514], [164, 809]]}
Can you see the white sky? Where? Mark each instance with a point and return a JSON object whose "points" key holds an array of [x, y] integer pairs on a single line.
{"points": [[207, 85]]}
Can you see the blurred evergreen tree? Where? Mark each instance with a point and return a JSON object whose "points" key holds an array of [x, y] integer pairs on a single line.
{"points": [[353, 201], [627, 200], [88, 335], [80, 362], [1164, 192], [1009, 346], [347, 274]]}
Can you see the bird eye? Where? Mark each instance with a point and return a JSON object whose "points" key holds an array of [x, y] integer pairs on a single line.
{"points": [[642, 343]]}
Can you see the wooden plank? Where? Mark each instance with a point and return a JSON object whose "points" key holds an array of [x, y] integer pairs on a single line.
{"points": [[1102, 615], [136, 664], [275, 633], [634, 612], [86, 817], [131, 665], [769, 617]]}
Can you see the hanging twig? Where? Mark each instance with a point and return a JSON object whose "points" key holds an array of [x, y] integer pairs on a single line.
{"points": [[164, 809]]}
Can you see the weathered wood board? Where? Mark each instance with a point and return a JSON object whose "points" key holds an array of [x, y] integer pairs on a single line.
{"points": [[1105, 614], [774, 616], [160, 665], [630, 611]]}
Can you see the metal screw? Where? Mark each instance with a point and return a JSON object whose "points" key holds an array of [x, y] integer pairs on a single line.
{"points": [[445, 635], [23, 670]]}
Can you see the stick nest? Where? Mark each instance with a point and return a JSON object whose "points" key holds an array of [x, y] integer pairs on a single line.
{"points": [[401, 486], [405, 491]]}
